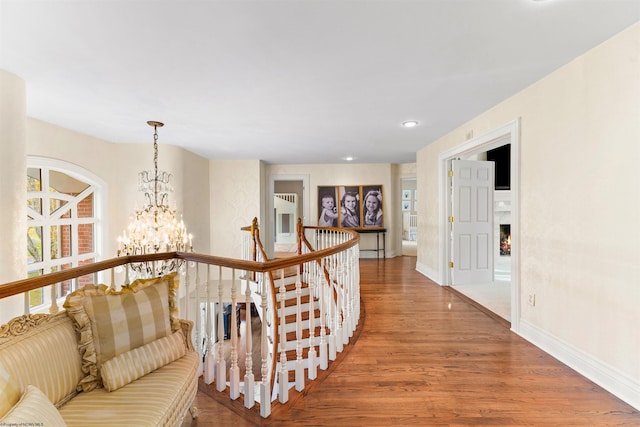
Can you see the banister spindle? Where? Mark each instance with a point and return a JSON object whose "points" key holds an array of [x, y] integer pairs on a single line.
{"points": [[312, 371], [199, 336], [249, 395], [321, 280], [53, 307], [209, 366], [299, 362], [265, 380], [234, 372], [283, 379], [221, 366]]}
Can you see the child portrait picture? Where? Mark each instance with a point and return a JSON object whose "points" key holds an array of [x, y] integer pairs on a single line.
{"points": [[351, 206], [327, 207]]}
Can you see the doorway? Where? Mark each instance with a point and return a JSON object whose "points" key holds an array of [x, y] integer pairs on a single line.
{"points": [[287, 200], [474, 149], [409, 217]]}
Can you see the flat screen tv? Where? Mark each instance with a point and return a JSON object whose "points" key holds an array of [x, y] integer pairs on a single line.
{"points": [[502, 158]]}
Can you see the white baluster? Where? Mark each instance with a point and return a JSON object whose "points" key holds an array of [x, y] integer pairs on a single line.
{"points": [[283, 379], [53, 308], [249, 386], [221, 366], [265, 381], [312, 371], [186, 290], [324, 362], [334, 296], [209, 362], [299, 361], [234, 372], [198, 322]]}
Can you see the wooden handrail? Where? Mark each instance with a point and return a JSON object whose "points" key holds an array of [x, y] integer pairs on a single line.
{"points": [[25, 285]]}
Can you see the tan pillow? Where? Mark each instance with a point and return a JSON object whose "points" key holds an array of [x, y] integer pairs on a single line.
{"points": [[33, 409], [111, 323], [9, 392], [128, 367]]}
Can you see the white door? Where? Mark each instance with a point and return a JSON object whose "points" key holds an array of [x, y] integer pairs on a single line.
{"points": [[472, 222]]}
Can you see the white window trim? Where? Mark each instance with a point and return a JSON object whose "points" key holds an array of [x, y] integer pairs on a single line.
{"points": [[99, 189]]}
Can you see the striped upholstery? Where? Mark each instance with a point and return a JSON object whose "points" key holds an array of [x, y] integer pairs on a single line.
{"points": [[9, 392], [129, 366], [111, 323], [33, 409], [46, 357], [160, 398]]}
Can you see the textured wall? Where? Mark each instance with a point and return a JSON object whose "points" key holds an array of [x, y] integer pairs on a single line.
{"points": [[12, 186], [579, 200]]}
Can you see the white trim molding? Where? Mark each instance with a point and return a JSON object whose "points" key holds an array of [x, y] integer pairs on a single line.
{"points": [[430, 273], [509, 133], [607, 377]]}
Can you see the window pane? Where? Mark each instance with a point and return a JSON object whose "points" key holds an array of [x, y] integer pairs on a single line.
{"points": [[62, 183], [85, 207], [57, 204], [85, 238], [65, 287], [35, 204], [36, 296], [89, 278], [34, 245], [34, 179], [63, 241]]}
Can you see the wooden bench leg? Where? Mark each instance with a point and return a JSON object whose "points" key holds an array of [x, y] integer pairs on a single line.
{"points": [[193, 411]]}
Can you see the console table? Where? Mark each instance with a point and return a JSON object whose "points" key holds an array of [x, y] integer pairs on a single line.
{"points": [[384, 240]]}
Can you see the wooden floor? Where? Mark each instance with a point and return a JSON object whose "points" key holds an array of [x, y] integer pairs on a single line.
{"points": [[425, 357]]}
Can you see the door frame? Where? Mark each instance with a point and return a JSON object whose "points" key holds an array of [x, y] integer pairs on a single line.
{"points": [[508, 133], [267, 233]]}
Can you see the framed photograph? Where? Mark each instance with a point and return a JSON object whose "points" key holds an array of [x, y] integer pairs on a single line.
{"points": [[352, 206], [406, 195], [327, 206], [406, 205], [349, 210], [371, 206]]}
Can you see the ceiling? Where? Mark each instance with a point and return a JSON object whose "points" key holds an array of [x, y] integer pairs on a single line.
{"points": [[290, 81]]}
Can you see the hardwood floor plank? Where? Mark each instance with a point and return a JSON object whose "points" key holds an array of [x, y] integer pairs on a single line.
{"points": [[426, 357]]}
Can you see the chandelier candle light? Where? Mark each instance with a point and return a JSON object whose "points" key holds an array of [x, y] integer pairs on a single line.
{"points": [[155, 228]]}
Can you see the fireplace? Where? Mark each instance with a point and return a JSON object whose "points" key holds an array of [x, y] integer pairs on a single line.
{"points": [[505, 239]]}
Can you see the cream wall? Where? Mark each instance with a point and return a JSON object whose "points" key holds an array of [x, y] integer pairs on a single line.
{"points": [[118, 165], [236, 195], [13, 215], [352, 174], [579, 205]]}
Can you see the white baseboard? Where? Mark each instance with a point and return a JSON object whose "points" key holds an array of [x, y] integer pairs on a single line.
{"points": [[428, 272], [607, 377]]}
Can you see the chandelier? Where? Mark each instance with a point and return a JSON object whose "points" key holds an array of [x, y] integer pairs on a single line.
{"points": [[155, 228]]}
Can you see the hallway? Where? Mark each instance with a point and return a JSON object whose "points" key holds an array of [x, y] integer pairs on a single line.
{"points": [[425, 357]]}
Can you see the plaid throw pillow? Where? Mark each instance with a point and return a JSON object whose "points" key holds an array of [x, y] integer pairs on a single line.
{"points": [[111, 323]]}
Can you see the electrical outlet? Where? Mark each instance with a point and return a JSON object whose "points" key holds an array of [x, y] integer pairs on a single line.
{"points": [[532, 300]]}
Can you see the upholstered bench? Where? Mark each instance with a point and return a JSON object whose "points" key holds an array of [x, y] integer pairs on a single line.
{"points": [[111, 359]]}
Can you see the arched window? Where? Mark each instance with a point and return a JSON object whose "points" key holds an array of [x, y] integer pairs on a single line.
{"points": [[64, 216]]}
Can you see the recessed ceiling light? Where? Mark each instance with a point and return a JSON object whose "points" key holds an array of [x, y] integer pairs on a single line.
{"points": [[410, 123], [349, 159]]}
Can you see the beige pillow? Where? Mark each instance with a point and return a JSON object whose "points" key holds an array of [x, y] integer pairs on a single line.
{"points": [[33, 409], [9, 392], [111, 322], [128, 367]]}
